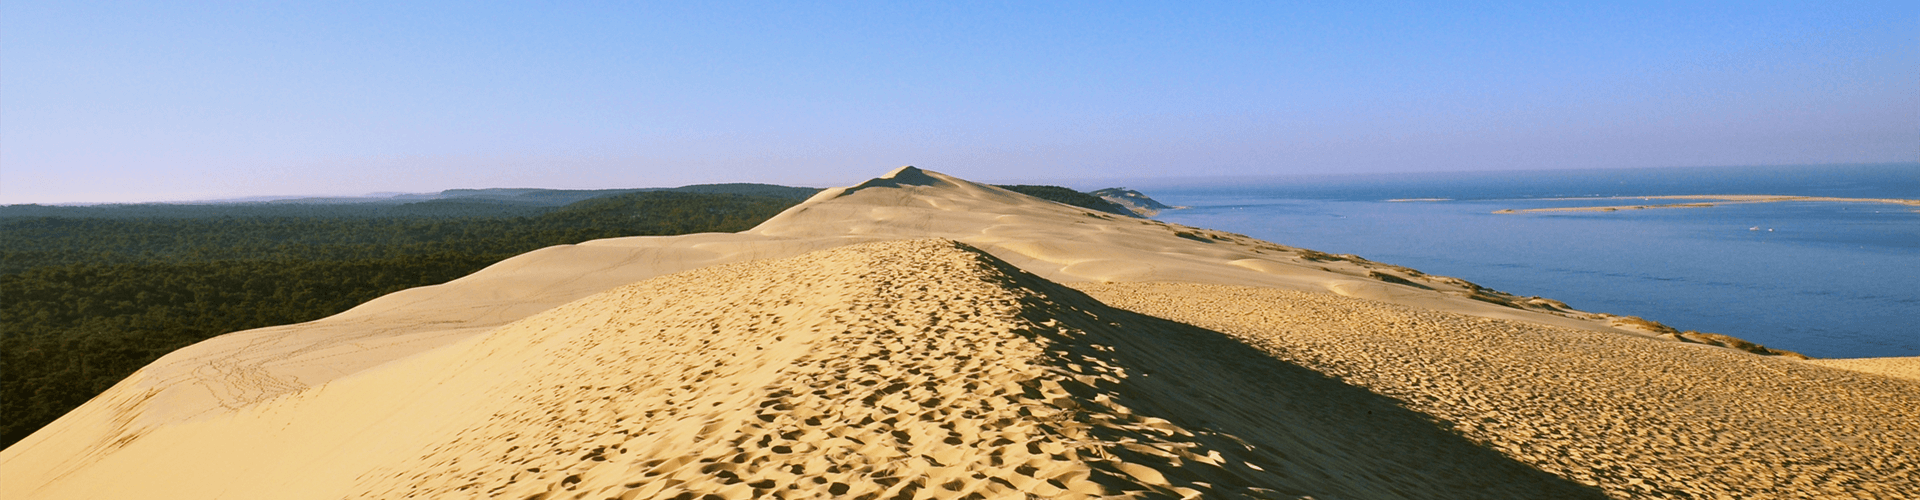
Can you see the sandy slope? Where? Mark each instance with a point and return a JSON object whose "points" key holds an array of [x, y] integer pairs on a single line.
{"points": [[1639, 418], [919, 368], [1907, 368], [1059, 242]]}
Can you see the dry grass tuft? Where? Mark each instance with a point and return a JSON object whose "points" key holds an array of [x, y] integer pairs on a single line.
{"points": [[1734, 343], [1315, 256], [1639, 323], [1395, 280], [1693, 337]]}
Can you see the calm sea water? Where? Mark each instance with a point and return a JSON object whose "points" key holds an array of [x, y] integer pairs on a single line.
{"points": [[1823, 279]]}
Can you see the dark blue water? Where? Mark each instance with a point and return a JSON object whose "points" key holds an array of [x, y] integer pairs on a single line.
{"points": [[1823, 279]]}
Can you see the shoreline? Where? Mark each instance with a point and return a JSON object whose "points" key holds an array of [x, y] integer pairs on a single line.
{"points": [[1609, 280]]}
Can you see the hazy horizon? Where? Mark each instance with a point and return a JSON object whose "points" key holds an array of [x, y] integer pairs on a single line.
{"points": [[1082, 184], [130, 102]]}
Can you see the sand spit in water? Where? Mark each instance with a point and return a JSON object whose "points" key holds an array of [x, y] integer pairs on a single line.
{"points": [[907, 369], [1637, 418], [1714, 200]]}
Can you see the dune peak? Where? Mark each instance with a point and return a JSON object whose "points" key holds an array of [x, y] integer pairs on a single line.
{"points": [[908, 170], [908, 176], [903, 177]]}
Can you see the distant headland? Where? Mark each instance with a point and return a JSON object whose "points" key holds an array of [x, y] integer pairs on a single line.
{"points": [[1136, 201]]}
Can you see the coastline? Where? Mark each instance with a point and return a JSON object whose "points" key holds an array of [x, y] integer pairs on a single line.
{"points": [[1822, 284]]}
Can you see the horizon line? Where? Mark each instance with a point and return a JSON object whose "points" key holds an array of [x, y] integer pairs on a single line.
{"points": [[1177, 179]]}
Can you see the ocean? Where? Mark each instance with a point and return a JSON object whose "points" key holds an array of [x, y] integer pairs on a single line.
{"points": [[1826, 279]]}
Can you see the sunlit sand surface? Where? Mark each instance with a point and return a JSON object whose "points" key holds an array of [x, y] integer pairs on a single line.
{"points": [[1907, 368]]}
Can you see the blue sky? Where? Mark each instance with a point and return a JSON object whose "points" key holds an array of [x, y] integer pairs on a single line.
{"points": [[145, 101]]}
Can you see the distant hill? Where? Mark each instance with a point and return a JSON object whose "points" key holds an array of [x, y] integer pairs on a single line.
{"points": [[557, 197], [1059, 194], [1134, 201], [542, 197], [197, 210], [457, 203], [750, 189]]}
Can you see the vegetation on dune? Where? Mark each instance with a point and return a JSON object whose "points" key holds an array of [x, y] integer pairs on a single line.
{"points": [[1131, 195], [86, 301], [1693, 337], [1134, 201], [1059, 194]]}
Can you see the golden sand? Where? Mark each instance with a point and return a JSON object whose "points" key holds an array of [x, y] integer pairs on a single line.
{"points": [[1907, 368], [911, 369]]}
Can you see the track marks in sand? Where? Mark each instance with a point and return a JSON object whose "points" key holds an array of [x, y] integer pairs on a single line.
{"points": [[1636, 417], [918, 369]]}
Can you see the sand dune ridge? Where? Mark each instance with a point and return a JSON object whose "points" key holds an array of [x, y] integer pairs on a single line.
{"points": [[910, 337]]}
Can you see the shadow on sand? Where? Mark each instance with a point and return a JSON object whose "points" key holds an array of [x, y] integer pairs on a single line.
{"points": [[1151, 387]]}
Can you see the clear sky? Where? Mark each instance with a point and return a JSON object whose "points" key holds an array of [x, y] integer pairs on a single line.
{"points": [[174, 100]]}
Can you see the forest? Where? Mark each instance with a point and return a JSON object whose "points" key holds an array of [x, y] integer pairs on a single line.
{"points": [[88, 295]]}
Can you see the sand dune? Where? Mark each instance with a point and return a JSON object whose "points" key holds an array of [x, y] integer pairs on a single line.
{"points": [[874, 360], [919, 368], [1058, 242]]}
